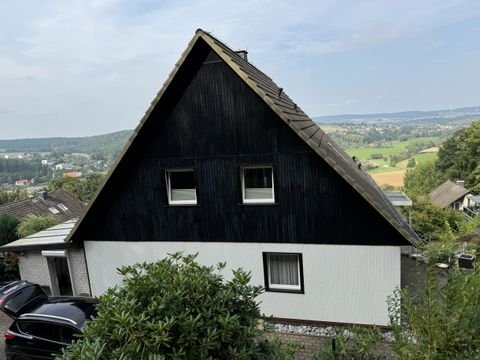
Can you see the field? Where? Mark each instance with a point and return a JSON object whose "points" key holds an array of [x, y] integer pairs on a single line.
{"points": [[385, 173]]}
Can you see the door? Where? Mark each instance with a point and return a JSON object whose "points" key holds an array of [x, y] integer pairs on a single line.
{"points": [[60, 276]]}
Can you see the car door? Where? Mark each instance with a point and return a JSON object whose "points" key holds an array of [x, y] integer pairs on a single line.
{"points": [[19, 297], [35, 338]]}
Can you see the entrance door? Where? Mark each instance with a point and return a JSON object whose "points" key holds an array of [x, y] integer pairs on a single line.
{"points": [[60, 276]]}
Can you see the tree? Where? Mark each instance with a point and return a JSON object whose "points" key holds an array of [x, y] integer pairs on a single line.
{"points": [[7, 196], [422, 179], [411, 163], [33, 225], [82, 189], [459, 156], [176, 309], [8, 229]]}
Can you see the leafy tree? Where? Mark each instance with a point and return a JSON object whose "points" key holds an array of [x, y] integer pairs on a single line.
{"points": [[82, 189], [7, 196], [33, 225], [176, 309], [440, 321], [8, 229], [422, 179], [432, 222], [459, 157]]}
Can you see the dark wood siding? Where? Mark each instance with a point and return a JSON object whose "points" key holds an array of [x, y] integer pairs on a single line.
{"points": [[210, 120]]}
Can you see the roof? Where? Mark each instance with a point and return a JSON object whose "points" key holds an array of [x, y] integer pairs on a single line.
{"points": [[299, 122], [398, 198], [447, 193], [52, 238], [59, 203]]}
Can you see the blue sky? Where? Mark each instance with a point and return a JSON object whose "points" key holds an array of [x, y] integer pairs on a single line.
{"points": [[83, 67]]}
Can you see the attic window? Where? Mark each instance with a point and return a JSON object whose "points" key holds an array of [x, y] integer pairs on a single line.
{"points": [[257, 184], [54, 210], [62, 207], [181, 187]]}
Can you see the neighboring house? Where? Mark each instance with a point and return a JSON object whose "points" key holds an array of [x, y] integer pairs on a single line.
{"points": [[44, 258], [22, 182], [226, 165], [59, 203], [73, 174], [450, 194], [64, 166]]}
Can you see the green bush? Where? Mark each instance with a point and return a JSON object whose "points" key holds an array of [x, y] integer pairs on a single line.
{"points": [[439, 321], [177, 309], [8, 229], [33, 225], [356, 343]]}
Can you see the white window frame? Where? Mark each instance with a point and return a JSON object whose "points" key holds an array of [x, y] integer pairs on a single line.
{"points": [[256, 201], [271, 286], [169, 187]]}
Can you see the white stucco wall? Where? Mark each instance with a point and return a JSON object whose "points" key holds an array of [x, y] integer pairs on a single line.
{"points": [[347, 284], [78, 271]]}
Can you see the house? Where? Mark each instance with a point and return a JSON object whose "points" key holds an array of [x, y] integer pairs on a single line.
{"points": [[22, 182], [59, 203], [73, 174], [449, 194], [64, 166], [44, 257], [226, 165]]}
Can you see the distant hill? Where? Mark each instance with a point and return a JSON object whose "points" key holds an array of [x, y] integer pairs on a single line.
{"points": [[106, 144], [436, 116]]}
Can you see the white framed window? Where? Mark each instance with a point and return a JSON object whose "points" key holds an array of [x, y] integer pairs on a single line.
{"points": [[283, 272], [257, 184], [181, 187]]}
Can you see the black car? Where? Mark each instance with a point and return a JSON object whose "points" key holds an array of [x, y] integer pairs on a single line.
{"points": [[42, 325]]}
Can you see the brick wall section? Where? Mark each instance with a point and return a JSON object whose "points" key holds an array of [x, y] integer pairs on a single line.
{"points": [[311, 344]]}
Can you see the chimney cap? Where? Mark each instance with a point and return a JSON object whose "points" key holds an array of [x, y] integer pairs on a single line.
{"points": [[243, 54], [460, 182], [44, 195]]}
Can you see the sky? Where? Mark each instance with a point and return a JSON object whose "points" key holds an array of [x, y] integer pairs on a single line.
{"points": [[85, 67]]}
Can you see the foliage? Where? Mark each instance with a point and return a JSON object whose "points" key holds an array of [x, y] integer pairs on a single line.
{"points": [[356, 343], [431, 222], [16, 169], [82, 189], [33, 225], [7, 196], [176, 309], [422, 179], [459, 157], [411, 163], [8, 228], [9, 267], [440, 321]]}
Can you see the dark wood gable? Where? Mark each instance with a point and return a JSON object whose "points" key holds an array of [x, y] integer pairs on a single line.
{"points": [[209, 119]]}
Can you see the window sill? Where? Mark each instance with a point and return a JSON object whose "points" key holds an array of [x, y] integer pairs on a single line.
{"points": [[259, 204], [286, 291]]}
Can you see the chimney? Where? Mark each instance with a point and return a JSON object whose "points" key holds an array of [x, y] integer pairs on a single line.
{"points": [[460, 182], [44, 195], [243, 54]]}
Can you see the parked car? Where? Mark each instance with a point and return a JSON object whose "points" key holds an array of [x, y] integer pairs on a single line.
{"points": [[42, 325]]}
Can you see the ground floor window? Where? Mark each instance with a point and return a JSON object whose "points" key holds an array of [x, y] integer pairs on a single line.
{"points": [[283, 272]]}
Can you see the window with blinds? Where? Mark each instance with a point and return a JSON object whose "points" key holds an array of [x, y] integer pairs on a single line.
{"points": [[283, 272]]}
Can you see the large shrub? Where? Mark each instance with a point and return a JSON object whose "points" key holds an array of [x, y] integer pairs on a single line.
{"points": [[176, 309], [440, 321], [8, 228]]}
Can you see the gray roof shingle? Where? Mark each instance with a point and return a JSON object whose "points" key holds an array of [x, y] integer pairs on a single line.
{"points": [[447, 193]]}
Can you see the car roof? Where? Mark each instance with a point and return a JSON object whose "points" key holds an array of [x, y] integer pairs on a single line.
{"points": [[71, 311]]}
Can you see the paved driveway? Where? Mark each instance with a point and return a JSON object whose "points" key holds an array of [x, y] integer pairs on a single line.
{"points": [[5, 322]]}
